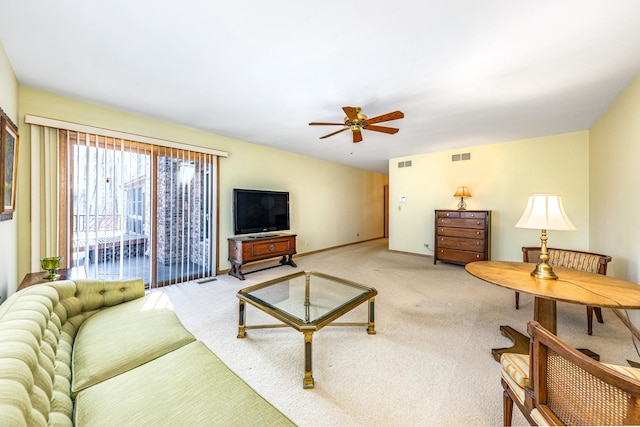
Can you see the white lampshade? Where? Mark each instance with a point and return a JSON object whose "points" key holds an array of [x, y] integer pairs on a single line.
{"points": [[545, 212]]}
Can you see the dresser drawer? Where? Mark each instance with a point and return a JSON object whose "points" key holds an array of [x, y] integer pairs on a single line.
{"points": [[462, 222], [458, 256], [448, 214], [476, 245], [476, 215], [461, 232]]}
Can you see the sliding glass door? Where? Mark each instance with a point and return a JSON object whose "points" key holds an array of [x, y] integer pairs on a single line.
{"points": [[138, 210]]}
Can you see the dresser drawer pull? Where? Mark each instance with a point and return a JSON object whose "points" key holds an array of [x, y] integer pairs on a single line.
{"points": [[272, 248], [478, 223], [478, 256], [477, 243], [477, 233]]}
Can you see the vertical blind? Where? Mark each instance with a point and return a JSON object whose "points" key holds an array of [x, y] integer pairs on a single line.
{"points": [[184, 210], [136, 209], [121, 205]]}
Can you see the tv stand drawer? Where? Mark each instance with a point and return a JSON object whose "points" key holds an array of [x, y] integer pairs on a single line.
{"points": [[272, 248], [243, 250]]}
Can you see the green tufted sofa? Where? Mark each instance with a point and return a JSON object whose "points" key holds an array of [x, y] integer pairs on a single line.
{"points": [[92, 352]]}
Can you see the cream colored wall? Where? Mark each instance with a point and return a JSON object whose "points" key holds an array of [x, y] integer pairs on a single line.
{"points": [[9, 229], [500, 178], [615, 174], [331, 204]]}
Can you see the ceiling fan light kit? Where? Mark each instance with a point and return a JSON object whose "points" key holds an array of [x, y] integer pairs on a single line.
{"points": [[356, 121]]}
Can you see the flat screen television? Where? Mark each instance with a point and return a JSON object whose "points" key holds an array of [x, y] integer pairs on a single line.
{"points": [[260, 211]]}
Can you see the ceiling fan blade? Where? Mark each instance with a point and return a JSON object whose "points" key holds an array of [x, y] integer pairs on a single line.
{"points": [[357, 135], [384, 129], [333, 133], [351, 112], [324, 124], [386, 117]]}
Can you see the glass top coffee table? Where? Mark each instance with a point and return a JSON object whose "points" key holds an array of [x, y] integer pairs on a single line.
{"points": [[306, 301]]}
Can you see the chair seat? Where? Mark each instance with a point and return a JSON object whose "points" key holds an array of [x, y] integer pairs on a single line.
{"points": [[518, 391], [538, 418], [516, 366], [515, 381], [625, 370]]}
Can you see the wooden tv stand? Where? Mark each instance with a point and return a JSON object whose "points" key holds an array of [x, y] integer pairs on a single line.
{"points": [[243, 250]]}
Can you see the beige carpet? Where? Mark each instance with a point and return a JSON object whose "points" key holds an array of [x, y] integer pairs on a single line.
{"points": [[429, 364]]}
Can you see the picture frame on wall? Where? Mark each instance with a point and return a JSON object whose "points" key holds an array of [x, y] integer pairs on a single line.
{"points": [[8, 166]]}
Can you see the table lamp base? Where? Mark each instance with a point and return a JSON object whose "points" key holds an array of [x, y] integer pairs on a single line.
{"points": [[544, 271]]}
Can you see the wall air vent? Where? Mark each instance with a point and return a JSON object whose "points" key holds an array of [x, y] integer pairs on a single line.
{"points": [[405, 164], [458, 157]]}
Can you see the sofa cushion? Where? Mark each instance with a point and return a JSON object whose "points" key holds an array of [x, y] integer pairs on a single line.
{"points": [[27, 357], [95, 294], [123, 337], [189, 386]]}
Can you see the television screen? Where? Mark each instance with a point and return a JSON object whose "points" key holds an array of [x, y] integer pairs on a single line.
{"points": [[259, 211]]}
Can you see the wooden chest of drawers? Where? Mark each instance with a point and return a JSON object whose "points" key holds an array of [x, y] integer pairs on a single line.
{"points": [[462, 236]]}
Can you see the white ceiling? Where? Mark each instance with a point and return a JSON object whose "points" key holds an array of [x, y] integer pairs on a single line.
{"points": [[464, 72]]}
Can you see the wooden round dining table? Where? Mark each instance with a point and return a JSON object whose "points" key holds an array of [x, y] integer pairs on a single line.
{"points": [[572, 286]]}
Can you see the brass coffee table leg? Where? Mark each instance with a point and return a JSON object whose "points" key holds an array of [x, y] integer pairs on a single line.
{"points": [[371, 329], [308, 364], [241, 320]]}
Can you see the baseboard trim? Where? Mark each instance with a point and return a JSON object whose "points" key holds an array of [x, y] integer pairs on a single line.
{"points": [[298, 255], [410, 253], [337, 247]]}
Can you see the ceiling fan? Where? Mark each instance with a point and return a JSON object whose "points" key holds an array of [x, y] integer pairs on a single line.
{"points": [[356, 121]]}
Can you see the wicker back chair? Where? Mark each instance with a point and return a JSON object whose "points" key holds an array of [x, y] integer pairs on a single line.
{"points": [[570, 388], [577, 260]]}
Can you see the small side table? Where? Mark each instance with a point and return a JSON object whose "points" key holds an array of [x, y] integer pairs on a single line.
{"points": [[65, 274]]}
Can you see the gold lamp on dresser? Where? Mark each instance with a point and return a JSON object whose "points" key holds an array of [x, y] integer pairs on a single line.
{"points": [[545, 212], [462, 192]]}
